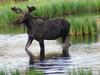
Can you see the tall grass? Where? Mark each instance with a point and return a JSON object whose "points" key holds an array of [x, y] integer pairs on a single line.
{"points": [[33, 72], [61, 7], [80, 72], [82, 25], [82, 6], [66, 7], [17, 72], [54, 8]]}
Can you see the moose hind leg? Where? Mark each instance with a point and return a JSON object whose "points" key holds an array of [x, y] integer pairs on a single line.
{"points": [[42, 51], [31, 56], [65, 51]]}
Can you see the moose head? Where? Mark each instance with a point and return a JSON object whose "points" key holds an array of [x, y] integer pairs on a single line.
{"points": [[23, 15]]}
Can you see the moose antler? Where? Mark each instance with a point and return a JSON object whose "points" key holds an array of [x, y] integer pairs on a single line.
{"points": [[31, 8], [17, 10]]}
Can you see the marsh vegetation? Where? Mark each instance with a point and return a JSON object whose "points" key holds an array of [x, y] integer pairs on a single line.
{"points": [[77, 12], [82, 16]]}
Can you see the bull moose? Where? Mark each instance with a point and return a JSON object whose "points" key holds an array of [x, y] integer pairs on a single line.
{"points": [[42, 29]]}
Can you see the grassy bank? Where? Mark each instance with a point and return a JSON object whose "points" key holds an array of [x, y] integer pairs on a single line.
{"points": [[80, 25], [54, 8], [33, 72], [60, 7]]}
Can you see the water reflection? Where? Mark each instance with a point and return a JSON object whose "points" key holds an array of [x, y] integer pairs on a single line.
{"points": [[84, 39], [84, 52]]}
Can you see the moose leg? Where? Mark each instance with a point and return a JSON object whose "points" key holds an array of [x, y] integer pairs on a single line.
{"points": [[65, 52], [42, 51], [31, 56]]}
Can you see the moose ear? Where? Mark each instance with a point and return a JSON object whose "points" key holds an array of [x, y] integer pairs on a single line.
{"points": [[16, 10], [30, 9]]}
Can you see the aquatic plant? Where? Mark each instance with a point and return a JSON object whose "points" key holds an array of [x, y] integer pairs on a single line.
{"points": [[60, 7], [66, 7], [80, 72], [34, 72], [17, 72], [2, 72], [82, 25], [53, 9]]}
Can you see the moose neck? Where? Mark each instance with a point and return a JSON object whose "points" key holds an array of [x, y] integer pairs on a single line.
{"points": [[29, 22]]}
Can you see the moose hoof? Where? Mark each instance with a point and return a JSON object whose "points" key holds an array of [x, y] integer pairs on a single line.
{"points": [[65, 55], [42, 59]]}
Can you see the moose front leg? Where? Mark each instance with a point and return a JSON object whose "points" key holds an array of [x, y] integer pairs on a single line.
{"points": [[31, 56], [65, 52], [42, 51]]}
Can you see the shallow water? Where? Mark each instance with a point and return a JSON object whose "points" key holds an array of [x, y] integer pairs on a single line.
{"points": [[84, 52]]}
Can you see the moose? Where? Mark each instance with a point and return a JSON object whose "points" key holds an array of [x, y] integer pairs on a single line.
{"points": [[42, 29]]}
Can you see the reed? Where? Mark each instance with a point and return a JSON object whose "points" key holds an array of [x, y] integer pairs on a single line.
{"points": [[65, 7], [80, 72], [34, 72], [82, 25], [61, 7], [2, 73], [17, 72]]}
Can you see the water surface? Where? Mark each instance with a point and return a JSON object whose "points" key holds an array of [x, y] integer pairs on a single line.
{"points": [[84, 52]]}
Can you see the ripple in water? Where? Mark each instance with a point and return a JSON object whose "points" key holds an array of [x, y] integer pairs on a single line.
{"points": [[13, 55]]}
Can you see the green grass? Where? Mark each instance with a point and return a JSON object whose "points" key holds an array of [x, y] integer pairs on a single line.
{"points": [[82, 25], [54, 8], [17, 72], [34, 72], [80, 72]]}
